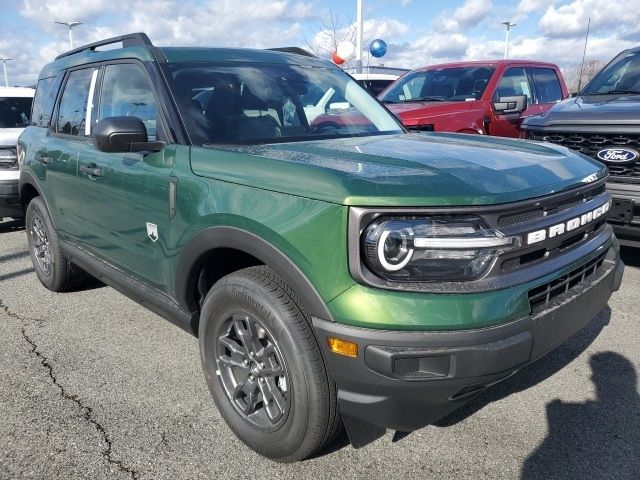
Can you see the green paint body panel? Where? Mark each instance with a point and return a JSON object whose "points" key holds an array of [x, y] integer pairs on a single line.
{"points": [[295, 196]]}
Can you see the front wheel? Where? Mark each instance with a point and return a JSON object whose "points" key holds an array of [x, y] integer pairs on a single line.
{"points": [[264, 367]]}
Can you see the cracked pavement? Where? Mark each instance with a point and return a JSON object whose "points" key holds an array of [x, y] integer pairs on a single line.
{"points": [[93, 386]]}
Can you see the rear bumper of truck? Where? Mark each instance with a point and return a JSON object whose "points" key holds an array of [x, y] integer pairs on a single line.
{"points": [[407, 380]]}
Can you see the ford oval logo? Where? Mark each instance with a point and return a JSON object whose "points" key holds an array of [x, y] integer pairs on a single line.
{"points": [[617, 155]]}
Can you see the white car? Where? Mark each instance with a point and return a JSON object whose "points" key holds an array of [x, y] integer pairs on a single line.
{"points": [[15, 112], [375, 82]]}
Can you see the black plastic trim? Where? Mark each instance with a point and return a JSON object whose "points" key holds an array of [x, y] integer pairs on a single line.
{"points": [[231, 237], [158, 302], [371, 391], [128, 40]]}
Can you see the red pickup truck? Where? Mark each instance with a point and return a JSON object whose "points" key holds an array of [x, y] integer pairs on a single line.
{"points": [[483, 97]]}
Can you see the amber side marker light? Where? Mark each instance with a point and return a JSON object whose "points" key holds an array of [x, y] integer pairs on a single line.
{"points": [[343, 347]]}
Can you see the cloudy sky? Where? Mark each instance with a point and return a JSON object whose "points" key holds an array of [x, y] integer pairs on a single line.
{"points": [[419, 32]]}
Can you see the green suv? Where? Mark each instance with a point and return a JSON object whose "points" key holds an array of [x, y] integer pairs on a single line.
{"points": [[336, 269]]}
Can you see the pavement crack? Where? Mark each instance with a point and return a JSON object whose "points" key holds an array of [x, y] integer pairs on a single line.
{"points": [[87, 411]]}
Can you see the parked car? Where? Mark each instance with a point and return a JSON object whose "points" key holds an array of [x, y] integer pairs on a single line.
{"points": [[15, 111], [482, 97], [375, 82], [359, 275], [603, 122]]}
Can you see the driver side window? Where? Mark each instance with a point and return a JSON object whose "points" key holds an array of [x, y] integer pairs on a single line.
{"points": [[126, 92], [514, 82]]}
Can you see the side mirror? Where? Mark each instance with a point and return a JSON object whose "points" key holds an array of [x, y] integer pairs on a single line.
{"points": [[515, 104], [123, 134]]}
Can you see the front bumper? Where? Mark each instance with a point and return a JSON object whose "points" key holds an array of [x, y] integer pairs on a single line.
{"points": [[9, 194], [407, 380], [624, 215]]}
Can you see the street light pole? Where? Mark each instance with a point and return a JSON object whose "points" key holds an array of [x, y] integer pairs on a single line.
{"points": [[359, 36], [4, 65], [506, 40], [71, 26]]}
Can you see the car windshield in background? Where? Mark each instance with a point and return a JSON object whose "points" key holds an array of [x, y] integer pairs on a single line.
{"points": [[267, 103], [621, 76], [15, 112], [456, 84]]}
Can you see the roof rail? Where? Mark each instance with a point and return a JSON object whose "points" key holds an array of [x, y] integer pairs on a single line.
{"points": [[296, 50], [129, 40]]}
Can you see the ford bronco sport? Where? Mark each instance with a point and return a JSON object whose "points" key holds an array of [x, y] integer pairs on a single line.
{"points": [[362, 276], [603, 122]]}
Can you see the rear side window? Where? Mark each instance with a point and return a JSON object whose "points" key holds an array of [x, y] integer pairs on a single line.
{"points": [[73, 104], [547, 85], [514, 82], [126, 92], [14, 112], [44, 100]]}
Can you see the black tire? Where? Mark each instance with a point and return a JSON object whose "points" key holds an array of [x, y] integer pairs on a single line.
{"points": [[311, 419], [57, 274]]}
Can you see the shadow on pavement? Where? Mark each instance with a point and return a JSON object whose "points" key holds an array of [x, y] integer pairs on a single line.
{"points": [[594, 439], [630, 256], [17, 273], [11, 225], [535, 373]]}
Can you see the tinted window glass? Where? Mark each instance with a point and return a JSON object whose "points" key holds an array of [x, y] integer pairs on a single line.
{"points": [[259, 103], [73, 104], [514, 82], [375, 86], [14, 112], [44, 100], [622, 75], [548, 88], [126, 92], [441, 84]]}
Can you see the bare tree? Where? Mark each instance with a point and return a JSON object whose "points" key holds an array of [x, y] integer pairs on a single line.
{"points": [[329, 32], [572, 74]]}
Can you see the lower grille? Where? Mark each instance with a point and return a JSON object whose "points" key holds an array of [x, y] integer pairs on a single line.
{"points": [[544, 294]]}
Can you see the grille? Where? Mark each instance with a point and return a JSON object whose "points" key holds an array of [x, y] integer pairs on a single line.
{"points": [[591, 143], [544, 294], [512, 219]]}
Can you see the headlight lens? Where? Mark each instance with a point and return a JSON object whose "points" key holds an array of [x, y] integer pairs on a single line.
{"points": [[443, 248]]}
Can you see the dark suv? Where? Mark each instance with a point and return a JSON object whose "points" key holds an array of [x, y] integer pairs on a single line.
{"points": [[358, 275], [603, 122]]}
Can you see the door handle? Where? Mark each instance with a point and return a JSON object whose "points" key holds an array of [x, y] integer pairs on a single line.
{"points": [[91, 169], [43, 159]]}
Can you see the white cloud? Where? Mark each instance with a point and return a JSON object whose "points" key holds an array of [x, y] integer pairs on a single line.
{"points": [[466, 16], [620, 17]]}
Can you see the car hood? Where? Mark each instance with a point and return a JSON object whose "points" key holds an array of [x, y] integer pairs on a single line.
{"points": [[597, 109], [9, 136], [420, 169]]}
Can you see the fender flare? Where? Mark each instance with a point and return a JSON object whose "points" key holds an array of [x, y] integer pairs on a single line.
{"points": [[247, 242]]}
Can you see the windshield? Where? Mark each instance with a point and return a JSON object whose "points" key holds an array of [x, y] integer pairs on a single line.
{"points": [[620, 76], [457, 84], [15, 112], [266, 103]]}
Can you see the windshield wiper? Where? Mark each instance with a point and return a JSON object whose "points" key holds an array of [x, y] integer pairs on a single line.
{"points": [[426, 99], [617, 92]]}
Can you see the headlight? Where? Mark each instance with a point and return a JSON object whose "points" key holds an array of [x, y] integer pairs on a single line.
{"points": [[8, 157], [442, 248]]}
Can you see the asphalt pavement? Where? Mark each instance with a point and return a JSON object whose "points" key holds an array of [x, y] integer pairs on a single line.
{"points": [[93, 386]]}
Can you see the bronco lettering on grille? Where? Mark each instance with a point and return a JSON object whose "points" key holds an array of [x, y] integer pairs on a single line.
{"points": [[568, 226]]}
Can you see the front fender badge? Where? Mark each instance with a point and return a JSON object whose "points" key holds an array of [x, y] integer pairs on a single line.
{"points": [[152, 231]]}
